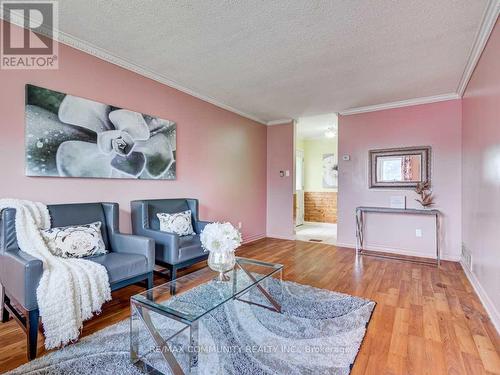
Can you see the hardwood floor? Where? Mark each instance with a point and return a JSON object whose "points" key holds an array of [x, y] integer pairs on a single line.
{"points": [[427, 320]]}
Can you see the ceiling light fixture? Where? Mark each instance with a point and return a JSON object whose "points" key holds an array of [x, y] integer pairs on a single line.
{"points": [[330, 132]]}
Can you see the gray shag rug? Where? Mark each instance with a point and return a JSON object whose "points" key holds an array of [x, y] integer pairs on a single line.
{"points": [[318, 332]]}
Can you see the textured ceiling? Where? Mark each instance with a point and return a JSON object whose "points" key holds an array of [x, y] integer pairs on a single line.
{"points": [[314, 127], [287, 59]]}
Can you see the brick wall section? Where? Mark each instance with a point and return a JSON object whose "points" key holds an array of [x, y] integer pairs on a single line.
{"points": [[320, 207]]}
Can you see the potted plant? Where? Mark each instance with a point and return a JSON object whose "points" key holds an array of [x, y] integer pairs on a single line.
{"points": [[423, 189]]}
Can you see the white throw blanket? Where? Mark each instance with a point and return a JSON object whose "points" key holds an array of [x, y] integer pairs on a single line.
{"points": [[70, 290]]}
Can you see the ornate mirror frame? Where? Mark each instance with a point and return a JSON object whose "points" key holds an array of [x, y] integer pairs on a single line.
{"points": [[373, 155]]}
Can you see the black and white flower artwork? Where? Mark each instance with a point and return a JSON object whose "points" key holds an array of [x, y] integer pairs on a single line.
{"points": [[69, 136], [329, 171]]}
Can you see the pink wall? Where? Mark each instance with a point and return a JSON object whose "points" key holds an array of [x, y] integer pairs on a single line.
{"points": [[481, 174], [221, 156], [436, 125], [280, 157]]}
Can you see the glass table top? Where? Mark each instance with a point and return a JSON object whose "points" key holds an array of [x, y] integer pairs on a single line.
{"points": [[198, 293]]}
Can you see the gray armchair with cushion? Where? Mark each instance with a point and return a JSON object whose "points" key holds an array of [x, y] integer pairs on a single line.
{"points": [[172, 251], [130, 259]]}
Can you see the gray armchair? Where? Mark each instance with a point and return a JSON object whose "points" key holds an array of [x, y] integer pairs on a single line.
{"points": [[130, 260], [172, 251]]}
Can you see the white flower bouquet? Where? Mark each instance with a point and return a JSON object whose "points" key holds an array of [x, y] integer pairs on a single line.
{"points": [[221, 240], [220, 237]]}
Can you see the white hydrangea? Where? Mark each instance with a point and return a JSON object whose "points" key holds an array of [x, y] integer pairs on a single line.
{"points": [[220, 237]]}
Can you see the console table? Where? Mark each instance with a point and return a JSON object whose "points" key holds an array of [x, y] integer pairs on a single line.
{"points": [[362, 211]]}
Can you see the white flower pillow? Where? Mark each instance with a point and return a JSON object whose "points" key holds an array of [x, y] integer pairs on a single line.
{"points": [[75, 241], [178, 223]]}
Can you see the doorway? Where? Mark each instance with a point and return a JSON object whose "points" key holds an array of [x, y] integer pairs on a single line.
{"points": [[299, 187], [316, 179]]}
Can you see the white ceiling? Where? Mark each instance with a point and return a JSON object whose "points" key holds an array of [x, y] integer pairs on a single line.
{"points": [[314, 127], [272, 60]]}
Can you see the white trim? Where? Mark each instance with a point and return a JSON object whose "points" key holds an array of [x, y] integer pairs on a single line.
{"points": [[105, 55], [280, 237], [402, 103], [253, 238], [346, 245], [109, 57], [320, 224], [488, 305], [487, 24], [279, 122], [411, 253]]}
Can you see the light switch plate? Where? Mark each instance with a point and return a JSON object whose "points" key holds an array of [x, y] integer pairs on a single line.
{"points": [[287, 173]]}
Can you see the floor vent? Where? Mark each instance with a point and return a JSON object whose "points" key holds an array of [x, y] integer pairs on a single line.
{"points": [[466, 257], [315, 240]]}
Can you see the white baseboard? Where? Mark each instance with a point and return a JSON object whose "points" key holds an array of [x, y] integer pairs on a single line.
{"points": [[488, 304], [320, 224], [410, 253], [2, 291], [280, 237], [253, 238], [345, 244]]}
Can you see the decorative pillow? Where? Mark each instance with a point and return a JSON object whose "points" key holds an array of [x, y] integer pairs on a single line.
{"points": [[75, 241], [178, 223]]}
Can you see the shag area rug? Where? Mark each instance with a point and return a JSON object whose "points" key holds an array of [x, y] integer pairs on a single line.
{"points": [[318, 332]]}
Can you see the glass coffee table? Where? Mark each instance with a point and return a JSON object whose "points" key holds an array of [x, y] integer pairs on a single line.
{"points": [[164, 322]]}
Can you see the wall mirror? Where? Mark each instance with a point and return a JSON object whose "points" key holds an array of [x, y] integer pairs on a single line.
{"points": [[399, 167]]}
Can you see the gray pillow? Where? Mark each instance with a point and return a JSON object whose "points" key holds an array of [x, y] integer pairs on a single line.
{"points": [[178, 223], [75, 241]]}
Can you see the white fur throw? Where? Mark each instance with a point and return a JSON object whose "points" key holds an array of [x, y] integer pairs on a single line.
{"points": [[70, 290]]}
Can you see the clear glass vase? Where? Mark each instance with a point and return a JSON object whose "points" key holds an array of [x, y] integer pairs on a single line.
{"points": [[221, 261]]}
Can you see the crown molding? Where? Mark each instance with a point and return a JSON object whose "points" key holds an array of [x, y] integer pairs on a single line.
{"points": [[402, 103], [279, 122], [487, 24], [148, 73], [89, 48]]}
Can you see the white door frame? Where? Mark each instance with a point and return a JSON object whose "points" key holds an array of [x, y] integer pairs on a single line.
{"points": [[299, 190]]}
